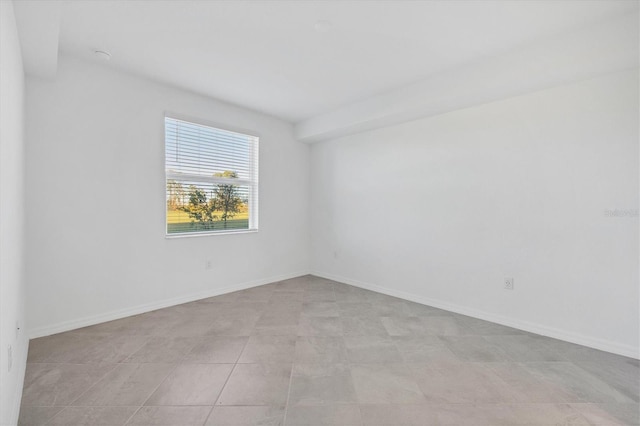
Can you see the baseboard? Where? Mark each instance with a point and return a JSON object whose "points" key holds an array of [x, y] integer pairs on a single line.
{"points": [[556, 333], [140, 309], [17, 392]]}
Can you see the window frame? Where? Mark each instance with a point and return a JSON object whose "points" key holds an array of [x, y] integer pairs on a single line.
{"points": [[253, 183]]}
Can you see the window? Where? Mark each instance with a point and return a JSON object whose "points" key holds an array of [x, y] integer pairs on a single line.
{"points": [[211, 179]]}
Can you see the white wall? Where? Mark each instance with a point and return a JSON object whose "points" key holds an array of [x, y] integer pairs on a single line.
{"points": [[442, 209], [95, 201], [12, 288]]}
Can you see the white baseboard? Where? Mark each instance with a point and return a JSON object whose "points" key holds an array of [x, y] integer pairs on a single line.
{"points": [[20, 364], [147, 307], [556, 333]]}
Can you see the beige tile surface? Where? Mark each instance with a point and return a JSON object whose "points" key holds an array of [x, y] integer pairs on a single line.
{"points": [[103, 416], [170, 416], [59, 384], [127, 384], [257, 384], [192, 384], [385, 384], [321, 384], [310, 351], [263, 415]]}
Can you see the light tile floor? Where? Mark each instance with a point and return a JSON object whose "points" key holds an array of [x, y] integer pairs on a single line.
{"points": [[310, 351]]}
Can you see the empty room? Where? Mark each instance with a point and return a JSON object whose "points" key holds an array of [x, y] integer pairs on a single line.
{"points": [[347, 213]]}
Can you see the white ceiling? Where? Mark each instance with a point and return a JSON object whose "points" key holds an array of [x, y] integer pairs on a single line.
{"points": [[268, 56]]}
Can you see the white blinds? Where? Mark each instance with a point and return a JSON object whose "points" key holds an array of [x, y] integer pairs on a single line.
{"points": [[211, 178]]}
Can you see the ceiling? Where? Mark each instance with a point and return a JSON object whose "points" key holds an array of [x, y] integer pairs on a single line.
{"points": [[299, 59]]}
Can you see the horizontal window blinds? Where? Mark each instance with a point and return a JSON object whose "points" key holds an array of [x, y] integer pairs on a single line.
{"points": [[211, 179]]}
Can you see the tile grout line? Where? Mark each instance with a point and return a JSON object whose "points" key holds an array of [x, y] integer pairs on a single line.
{"points": [[486, 365], [70, 404], [156, 388], [348, 361], [215, 403], [286, 404], [63, 407], [293, 363], [175, 366]]}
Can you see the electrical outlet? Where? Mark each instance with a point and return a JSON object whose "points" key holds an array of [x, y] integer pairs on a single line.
{"points": [[508, 283], [208, 264], [9, 357]]}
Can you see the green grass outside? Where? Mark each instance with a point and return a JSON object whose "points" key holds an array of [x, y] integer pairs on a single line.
{"points": [[179, 222]]}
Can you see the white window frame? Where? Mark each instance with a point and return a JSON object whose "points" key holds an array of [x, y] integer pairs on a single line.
{"points": [[252, 183]]}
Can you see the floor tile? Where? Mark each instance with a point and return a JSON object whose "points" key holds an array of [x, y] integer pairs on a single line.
{"points": [[190, 327], [192, 384], [41, 348], [320, 350], [420, 310], [622, 375], [346, 293], [292, 285], [163, 350], [385, 384], [216, 350], [337, 354], [233, 326], [276, 330], [363, 326], [391, 308], [508, 414], [524, 387], [59, 384], [404, 326], [246, 416], [36, 416], [524, 348], [398, 415], [257, 384], [319, 384], [610, 414], [114, 349], [573, 352], [320, 309], [355, 309], [319, 326], [256, 294], [67, 347], [268, 349], [459, 383], [324, 415], [170, 416], [278, 318], [442, 326], [477, 327], [151, 323], [422, 348], [571, 379], [361, 349], [470, 415], [127, 384], [475, 348], [319, 296], [373, 297], [313, 282], [104, 416], [420, 326]]}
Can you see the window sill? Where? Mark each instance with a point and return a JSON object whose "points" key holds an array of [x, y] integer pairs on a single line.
{"points": [[209, 234]]}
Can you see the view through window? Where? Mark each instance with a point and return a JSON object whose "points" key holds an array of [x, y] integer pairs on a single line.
{"points": [[211, 179]]}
